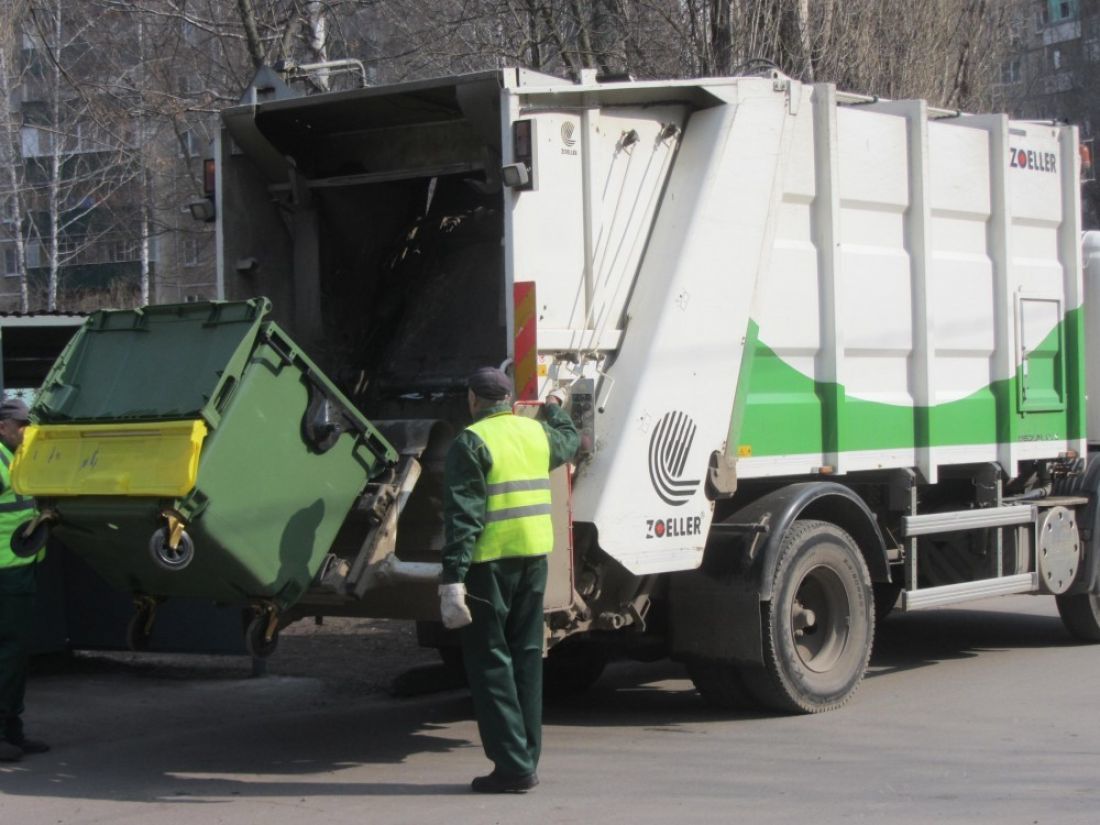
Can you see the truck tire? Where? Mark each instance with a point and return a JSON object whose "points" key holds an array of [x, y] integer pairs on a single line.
{"points": [[886, 598], [572, 667], [453, 661], [1080, 614], [819, 626]]}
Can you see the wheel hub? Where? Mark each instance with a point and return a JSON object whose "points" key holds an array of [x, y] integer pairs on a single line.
{"points": [[803, 620], [1059, 549], [820, 619]]}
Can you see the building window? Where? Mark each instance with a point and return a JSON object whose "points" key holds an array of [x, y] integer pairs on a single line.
{"points": [[121, 250], [67, 248], [37, 142], [1062, 10], [1042, 16], [189, 252], [191, 144], [1092, 50], [187, 144], [1017, 29], [1010, 71], [11, 262], [1056, 59]]}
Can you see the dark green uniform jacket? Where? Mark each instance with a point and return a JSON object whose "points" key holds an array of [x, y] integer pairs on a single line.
{"points": [[17, 586], [468, 464]]}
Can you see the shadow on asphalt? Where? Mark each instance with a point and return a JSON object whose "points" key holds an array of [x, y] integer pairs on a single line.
{"points": [[140, 734], [231, 740], [921, 639]]}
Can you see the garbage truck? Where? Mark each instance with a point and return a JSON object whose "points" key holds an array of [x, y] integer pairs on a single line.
{"points": [[828, 354]]}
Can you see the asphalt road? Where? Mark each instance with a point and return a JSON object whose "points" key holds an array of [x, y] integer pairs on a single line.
{"points": [[985, 713]]}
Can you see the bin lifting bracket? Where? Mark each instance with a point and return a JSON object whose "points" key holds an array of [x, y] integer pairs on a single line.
{"points": [[47, 516], [147, 609], [269, 609], [175, 526]]}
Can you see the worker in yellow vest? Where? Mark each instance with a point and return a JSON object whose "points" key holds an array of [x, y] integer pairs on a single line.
{"points": [[499, 532], [17, 587]]}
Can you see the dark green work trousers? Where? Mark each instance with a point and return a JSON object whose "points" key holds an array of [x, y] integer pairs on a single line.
{"points": [[502, 649], [16, 616]]}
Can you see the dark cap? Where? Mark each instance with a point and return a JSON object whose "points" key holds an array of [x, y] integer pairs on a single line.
{"points": [[14, 409], [490, 383]]}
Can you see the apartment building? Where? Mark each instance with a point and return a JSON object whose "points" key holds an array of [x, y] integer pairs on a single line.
{"points": [[1050, 73]]}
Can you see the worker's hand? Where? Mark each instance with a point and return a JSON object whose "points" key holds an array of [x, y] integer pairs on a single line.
{"points": [[452, 606], [560, 396]]}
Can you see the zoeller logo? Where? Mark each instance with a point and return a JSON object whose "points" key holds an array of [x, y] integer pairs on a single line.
{"points": [[669, 447], [1030, 159], [567, 133]]}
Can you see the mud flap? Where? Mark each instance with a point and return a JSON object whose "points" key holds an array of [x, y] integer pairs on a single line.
{"points": [[714, 619]]}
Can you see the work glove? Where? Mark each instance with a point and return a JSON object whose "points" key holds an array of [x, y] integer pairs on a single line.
{"points": [[560, 396], [452, 606]]}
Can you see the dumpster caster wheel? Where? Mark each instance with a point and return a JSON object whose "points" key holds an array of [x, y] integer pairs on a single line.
{"points": [[171, 558], [139, 631], [29, 537], [258, 640]]}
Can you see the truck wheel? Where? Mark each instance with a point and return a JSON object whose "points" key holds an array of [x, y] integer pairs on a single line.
{"points": [[1081, 615], [720, 684], [572, 666], [819, 625], [886, 598], [454, 663]]}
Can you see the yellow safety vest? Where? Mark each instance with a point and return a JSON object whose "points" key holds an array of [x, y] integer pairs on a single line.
{"points": [[14, 510], [517, 511]]}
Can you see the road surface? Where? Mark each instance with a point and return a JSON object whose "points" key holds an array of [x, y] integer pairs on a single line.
{"points": [[984, 713]]}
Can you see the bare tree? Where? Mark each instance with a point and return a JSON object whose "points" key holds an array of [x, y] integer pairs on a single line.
{"points": [[160, 69], [945, 50], [74, 159], [12, 194]]}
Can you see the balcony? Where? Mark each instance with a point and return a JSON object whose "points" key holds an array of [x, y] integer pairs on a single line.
{"points": [[1062, 32], [1057, 83]]}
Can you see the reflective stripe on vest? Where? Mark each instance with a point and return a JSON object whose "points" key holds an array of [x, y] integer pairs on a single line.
{"points": [[14, 510], [517, 511]]}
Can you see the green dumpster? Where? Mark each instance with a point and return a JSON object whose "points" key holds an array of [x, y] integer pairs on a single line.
{"points": [[193, 450]]}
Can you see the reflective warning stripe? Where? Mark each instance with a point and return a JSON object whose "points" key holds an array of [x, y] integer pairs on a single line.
{"points": [[21, 502], [519, 486], [517, 512]]}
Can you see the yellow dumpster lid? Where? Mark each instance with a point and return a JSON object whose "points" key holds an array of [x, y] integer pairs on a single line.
{"points": [[147, 459]]}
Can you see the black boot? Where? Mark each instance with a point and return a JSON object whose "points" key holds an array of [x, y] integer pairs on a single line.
{"points": [[499, 783], [31, 745]]}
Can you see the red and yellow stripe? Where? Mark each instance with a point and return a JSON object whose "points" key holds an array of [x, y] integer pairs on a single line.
{"points": [[526, 343]]}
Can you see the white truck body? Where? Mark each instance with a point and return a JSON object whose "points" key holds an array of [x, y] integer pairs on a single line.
{"points": [[821, 346], [912, 260]]}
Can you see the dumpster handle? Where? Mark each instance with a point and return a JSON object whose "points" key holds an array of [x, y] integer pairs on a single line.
{"points": [[322, 425], [316, 386], [224, 393]]}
